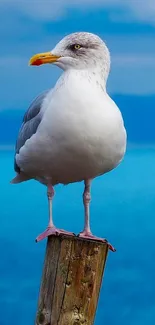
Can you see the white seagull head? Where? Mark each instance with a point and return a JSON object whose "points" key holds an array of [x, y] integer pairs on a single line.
{"points": [[79, 50]]}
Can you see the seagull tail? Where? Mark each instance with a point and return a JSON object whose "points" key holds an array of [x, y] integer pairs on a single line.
{"points": [[19, 178]]}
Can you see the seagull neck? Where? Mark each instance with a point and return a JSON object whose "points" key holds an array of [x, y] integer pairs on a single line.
{"points": [[94, 76]]}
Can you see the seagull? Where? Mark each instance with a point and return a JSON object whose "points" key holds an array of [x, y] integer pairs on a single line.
{"points": [[73, 132]]}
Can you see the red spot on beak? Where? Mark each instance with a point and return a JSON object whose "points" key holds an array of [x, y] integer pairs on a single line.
{"points": [[37, 62]]}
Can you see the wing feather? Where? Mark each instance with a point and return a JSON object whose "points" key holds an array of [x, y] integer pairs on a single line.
{"points": [[31, 121]]}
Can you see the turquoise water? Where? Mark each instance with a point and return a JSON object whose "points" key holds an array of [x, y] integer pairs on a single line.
{"points": [[122, 210]]}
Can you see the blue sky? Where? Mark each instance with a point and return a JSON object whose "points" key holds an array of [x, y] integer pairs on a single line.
{"points": [[128, 27]]}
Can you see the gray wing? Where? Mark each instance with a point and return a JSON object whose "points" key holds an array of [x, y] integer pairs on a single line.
{"points": [[31, 121]]}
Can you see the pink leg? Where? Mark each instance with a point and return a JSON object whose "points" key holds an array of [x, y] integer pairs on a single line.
{"points": [[86, 201], [86, 233], [51, 229]]}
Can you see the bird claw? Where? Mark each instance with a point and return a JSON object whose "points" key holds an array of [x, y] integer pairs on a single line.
{"points": [[89, 235], [53, 231]]}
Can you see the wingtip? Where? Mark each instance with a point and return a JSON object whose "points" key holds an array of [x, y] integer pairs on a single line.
{"points": [[19, 178]]}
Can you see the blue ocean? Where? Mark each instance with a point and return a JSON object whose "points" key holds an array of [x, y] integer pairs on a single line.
{"points": [[122, 210]]}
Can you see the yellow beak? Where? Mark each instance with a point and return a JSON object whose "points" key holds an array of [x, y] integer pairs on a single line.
{"points": [[43, 58]]}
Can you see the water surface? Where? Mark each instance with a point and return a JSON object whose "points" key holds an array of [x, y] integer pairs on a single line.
{"points": [[122, 210]]}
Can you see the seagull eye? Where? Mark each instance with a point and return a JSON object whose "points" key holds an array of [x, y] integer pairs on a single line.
{"points": [[77, 46]]}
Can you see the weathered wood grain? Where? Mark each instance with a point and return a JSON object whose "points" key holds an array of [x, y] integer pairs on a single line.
{"points": [[71, 281]]}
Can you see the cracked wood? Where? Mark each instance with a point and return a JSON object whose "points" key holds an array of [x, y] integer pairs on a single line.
{"points": [[71, 281]]}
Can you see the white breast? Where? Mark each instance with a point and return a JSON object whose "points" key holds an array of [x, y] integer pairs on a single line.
{"points": [[81, 134]]}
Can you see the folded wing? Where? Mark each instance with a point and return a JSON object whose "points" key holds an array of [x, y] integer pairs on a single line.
{"points": [[31, 121]]}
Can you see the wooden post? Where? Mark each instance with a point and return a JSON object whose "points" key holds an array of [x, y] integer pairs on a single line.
{"points": [[71, 281]]}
